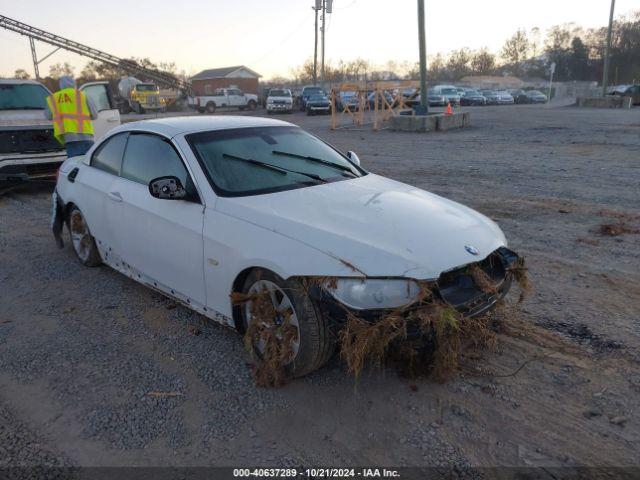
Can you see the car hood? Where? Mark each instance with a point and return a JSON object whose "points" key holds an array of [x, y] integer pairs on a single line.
{"points": [[380, 226], [12, 118]]}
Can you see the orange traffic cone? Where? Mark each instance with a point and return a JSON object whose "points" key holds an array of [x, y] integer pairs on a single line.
{"points": [[448, 110]]}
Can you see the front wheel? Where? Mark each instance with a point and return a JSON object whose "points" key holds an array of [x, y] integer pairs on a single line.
{"points": [[84, 245], [283, 307]]}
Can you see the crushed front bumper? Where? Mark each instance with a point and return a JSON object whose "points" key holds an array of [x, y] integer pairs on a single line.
{"points": [[455, 287]]}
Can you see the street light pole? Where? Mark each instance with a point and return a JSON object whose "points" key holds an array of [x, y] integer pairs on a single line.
{"points": [[315, 47], [424, 106], [324, 20], [605, 73]]}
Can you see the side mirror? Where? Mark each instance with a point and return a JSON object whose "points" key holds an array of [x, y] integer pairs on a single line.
{"points": [[167, 188], [353, 157]]}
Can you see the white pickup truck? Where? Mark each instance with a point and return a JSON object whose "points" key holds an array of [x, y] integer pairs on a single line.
{"points": [[226, 98], [28, 149]]}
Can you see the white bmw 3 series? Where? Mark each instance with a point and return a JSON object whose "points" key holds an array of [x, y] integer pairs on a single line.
{"points": [[200, 208]]}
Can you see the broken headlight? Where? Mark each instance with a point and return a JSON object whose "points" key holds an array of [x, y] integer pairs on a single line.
{"points": [[375, 293]]}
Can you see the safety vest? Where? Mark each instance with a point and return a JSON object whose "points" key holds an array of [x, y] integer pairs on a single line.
{"points": [[70, 113]]}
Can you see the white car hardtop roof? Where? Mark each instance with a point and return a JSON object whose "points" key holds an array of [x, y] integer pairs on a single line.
{"points": [[172, 126]]}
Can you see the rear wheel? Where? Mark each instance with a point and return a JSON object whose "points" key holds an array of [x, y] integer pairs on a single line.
{"points": [[211, 107], [84, 245], [313, 344], [252, 105]]}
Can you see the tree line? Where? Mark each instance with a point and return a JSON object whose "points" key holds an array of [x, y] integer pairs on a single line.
{"points": [[577, 52]]}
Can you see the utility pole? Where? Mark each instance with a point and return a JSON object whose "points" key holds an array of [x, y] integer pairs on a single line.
{"points": [[316, 7], [424, 106], [324, 17], [35, 58], [605, 73]]}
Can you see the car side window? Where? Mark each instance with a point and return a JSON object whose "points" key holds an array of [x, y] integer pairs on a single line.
{"points": [[99, 95], [108, 156], [150, 156]]}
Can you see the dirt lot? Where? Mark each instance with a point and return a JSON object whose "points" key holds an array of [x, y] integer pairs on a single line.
{"points": [[82, 351]]}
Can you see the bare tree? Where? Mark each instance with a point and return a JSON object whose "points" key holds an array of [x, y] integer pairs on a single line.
{"points": [[21, 73], [483, 62], [515, 50]]}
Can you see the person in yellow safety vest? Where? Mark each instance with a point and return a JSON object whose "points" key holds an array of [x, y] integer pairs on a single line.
{"points": [[72, 114]]}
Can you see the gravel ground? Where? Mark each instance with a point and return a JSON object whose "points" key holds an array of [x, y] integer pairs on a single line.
{"points": [[96, 370]]}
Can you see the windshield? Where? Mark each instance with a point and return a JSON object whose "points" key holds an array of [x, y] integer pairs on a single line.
{"points": [[449, 91], [317, 98], [534, 92], [280, 93], [311, 90], [23, 97], [146, 87], [251, 161]]}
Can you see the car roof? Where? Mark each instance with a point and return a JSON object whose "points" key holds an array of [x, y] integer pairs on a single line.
{"points": [[18, 81], [172, 126]]}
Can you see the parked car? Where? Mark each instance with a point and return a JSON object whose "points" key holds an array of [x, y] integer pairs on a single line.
{"points": [[307, 92], [449, 92], [504, 98], [433, 100], [519, 95], [347, 100], [632, 91], [371, 100], [279, 100], [318, 104], [472, 97], [535, 96], [226, 98], [491, 96], [28, 149], [202, 208]]}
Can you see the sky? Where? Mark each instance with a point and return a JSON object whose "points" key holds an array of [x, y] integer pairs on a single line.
{"points": [[274, 37]]}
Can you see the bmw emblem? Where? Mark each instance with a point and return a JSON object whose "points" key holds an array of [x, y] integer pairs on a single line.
{"points": [[472, 250]]}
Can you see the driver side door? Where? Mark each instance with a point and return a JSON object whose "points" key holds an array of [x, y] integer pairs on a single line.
{"points": [[160, 239], [108, 115]]}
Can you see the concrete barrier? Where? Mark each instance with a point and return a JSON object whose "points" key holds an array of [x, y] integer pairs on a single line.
{"points": [[413, 123], [429, 123], [455, 120], [610, 101]]}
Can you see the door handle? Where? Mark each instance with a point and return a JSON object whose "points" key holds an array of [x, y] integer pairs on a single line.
{"points": [[115, 196]]}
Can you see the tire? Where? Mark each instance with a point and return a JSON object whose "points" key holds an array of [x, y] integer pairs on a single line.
{"points": [[316, 343], [210, 107], [252, 105], [83, 243]]}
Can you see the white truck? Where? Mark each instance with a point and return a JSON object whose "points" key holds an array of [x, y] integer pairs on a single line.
{"points": [[226, 98], [28, 149]]}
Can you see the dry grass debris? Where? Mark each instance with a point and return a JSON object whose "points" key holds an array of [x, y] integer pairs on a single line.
{"points": [[268, 339], [439, 332], [616, 229]]}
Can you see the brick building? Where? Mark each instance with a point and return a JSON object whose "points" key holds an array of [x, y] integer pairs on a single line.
{"points": [[206, 82]]}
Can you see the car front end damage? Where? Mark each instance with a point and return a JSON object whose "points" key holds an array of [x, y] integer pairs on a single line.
{"points": [[472, 290], [427, 335]]}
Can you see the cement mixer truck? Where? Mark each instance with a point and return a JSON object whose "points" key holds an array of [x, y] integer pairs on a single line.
{"points": [[139, 96]]}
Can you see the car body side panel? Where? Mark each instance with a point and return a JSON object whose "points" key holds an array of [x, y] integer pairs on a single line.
{"points": [[232, 245], [162, 238]]}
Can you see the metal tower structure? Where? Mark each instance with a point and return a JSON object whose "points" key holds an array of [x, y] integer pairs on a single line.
{"points": [[129, 66]]}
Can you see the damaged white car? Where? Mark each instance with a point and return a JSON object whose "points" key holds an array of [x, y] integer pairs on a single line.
{"points": [[202, 208]]}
